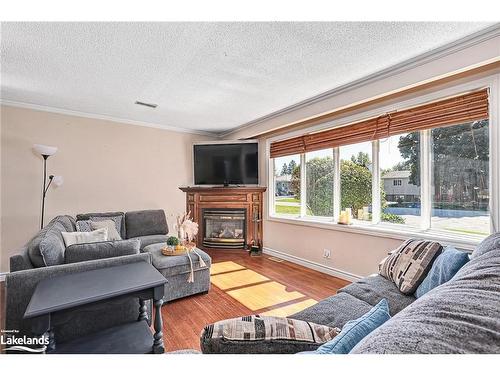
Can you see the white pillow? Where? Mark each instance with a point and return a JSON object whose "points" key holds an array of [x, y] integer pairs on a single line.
{"points": [[71, 238]]}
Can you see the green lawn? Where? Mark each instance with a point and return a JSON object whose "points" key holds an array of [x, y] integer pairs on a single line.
{"points": [[466, 231], [290, 210], [287, 200]]}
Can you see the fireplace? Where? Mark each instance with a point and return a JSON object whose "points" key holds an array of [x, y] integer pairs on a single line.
{"points": [[224, 228], [228, 217]]}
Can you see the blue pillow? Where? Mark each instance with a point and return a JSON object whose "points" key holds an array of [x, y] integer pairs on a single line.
{"points": [[355, 330], [444, 268]]}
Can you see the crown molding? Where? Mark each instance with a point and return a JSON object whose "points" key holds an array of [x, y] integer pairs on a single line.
{"points": [[437, 53], [62, 111]]}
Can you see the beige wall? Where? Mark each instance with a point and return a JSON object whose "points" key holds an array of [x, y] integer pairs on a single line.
{"points": [[106, 166]]}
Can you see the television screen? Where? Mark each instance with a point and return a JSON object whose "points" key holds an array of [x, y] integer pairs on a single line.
{"points": [[226, 164]]}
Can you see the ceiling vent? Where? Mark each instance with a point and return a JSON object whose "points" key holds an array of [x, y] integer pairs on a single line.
{"points": [[150, 105]]}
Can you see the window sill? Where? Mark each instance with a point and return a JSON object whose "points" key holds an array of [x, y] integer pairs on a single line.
{"points": [[384, 230]]}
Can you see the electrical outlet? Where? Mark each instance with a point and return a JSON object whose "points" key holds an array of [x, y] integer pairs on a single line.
{"points": [[327, 253]]}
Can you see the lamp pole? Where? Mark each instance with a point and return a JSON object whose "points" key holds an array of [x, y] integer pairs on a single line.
{"points": [[44, 186], [46, 151]]}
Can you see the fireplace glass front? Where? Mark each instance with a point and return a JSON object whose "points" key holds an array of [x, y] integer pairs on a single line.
{"points": [[224, 228]]}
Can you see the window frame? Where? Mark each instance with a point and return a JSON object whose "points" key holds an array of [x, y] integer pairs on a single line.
{"points": [[399, 231]]}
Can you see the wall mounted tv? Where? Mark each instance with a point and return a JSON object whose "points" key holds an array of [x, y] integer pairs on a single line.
{"points": [[235, 163]]}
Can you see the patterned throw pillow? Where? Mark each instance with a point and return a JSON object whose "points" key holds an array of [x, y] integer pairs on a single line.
{"points": [[264, 334], [408, 265], [83, 226]]}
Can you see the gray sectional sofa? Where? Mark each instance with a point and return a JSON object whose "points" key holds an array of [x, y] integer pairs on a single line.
{"points": [[45, 256], [460, 316]]}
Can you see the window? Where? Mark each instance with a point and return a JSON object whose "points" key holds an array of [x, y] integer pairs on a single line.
{"points": [[287, 185], [400, 159], [435, 177], [460, 178], [319, 183], [356, 179]]}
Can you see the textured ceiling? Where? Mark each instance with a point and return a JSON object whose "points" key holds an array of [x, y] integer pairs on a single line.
{"points": [[203, 76]]}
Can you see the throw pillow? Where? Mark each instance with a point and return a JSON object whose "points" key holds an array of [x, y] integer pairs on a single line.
{"points": [[83, 226], [52, 245], [71, 238], [264, 334], [110, 225], [355, 330], [408, 265], [443, 269], [116, 219]]}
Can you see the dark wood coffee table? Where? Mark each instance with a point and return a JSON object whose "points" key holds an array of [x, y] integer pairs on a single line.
{"points": [[62, 293]]}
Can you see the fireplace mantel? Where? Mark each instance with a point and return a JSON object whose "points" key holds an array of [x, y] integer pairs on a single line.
{"points": [[249, 198]]}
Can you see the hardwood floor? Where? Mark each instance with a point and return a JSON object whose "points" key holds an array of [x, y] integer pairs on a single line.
{"points": [[272, 287], [184, 319]]}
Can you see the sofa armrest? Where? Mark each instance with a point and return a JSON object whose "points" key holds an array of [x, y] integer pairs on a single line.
{"points": [[19, 287], [100, 250], [20, 261]]}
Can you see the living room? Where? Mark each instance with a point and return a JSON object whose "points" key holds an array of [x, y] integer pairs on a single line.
{"points": [[242, 186]]}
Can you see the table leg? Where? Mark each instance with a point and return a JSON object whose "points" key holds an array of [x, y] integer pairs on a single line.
{"points": [[142, 310], [41, 329], [158, 347], [52, 341]]}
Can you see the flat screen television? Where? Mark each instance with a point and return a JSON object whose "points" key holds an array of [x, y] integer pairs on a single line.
{"points": [[226, 163]]}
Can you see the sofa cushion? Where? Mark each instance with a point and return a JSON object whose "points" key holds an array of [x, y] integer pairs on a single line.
{"points": [[145, 223], [64, 223], [443, 269], [372, 289], [355, 330], [264, 334], [460, 316], [52, 245], [492, 242], [334, 311], [100, 250], [118, 217], [177, 264], [408, 265], [150, 240], [67, 221]]}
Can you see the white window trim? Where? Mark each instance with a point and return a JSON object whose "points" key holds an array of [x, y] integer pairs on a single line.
{"points": [[377, 228]]}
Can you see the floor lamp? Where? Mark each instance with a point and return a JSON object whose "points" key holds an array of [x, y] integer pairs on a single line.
{"points": [[45, 152]]}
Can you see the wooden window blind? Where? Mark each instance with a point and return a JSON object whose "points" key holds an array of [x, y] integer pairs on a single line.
{"points": [[467, 107]]}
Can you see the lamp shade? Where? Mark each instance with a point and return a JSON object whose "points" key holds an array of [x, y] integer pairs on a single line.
{"points": [[45, 150], [58, 180]]}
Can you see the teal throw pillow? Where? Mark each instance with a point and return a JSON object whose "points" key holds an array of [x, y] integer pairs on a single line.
{"points": [[355, 330], [443, 269]]}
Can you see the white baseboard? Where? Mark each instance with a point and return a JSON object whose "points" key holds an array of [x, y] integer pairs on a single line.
{"points": [[2, 276], [313, 265]]}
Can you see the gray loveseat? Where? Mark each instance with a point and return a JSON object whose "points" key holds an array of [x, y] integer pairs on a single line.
{"points": [[460, 316], [45, 256]]}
